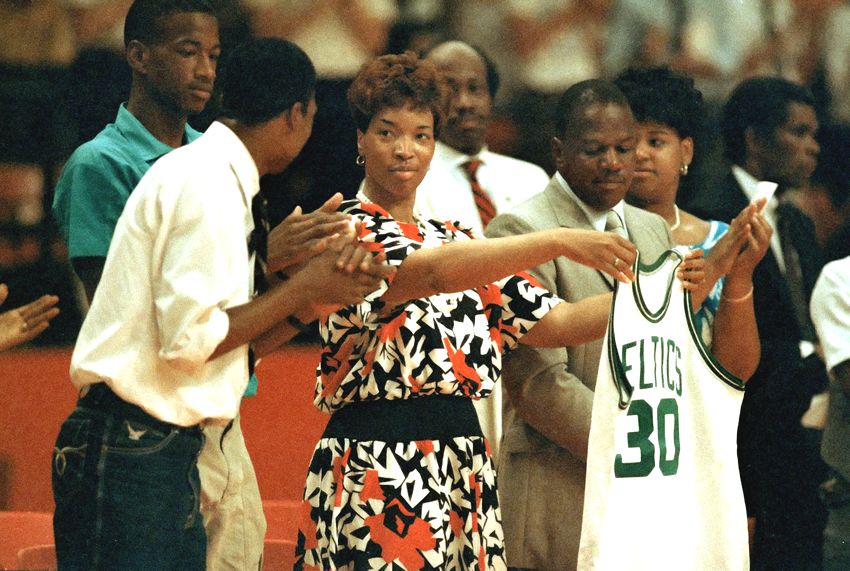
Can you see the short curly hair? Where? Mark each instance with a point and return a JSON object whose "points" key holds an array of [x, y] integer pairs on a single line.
{"points": [[662, 95], [396, 81]]}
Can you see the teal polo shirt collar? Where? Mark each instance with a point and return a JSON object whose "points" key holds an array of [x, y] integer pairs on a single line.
{"points": [[148, 147]]}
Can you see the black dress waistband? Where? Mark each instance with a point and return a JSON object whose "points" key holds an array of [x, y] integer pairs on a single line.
{"points": [[433, 417]]}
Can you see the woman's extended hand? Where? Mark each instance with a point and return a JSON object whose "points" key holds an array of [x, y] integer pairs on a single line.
{"points": [[603, 251], [26, 322]]}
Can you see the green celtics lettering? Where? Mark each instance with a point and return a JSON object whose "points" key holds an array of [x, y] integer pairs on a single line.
{"points": [[664, 357], [658, 368]]}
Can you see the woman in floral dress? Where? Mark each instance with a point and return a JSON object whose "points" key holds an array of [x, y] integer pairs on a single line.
{"points": [[402, 477]]}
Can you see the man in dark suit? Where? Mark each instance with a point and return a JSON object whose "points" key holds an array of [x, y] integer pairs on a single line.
{"points": [[550, 391], [768, 127]]}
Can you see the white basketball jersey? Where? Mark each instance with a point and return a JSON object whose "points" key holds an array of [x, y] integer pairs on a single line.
{"points": [[663, 489]]}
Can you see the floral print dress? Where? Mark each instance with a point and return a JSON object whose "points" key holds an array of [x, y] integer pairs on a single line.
{"points": [[424, 504]]}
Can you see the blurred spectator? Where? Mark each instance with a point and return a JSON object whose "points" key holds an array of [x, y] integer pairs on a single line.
{"points": [[168, 85], [99, 23], [826, 200], [339, 36], [21, 193], [556, 43], [467, 182], [36, 32], [836, 41], [645, 33], [483, 23]]}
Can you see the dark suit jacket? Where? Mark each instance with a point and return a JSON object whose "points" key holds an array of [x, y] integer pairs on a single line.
{"points": [[780, 390], [550, 395]]}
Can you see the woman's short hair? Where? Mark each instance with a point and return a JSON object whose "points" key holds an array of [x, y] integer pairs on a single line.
{"points": [[661, 95], [391, 81]]}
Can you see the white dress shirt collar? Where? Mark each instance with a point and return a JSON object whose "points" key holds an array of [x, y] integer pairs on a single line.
{"points": [[241, 161], [454, 158], [749, 186], [595, 217]]}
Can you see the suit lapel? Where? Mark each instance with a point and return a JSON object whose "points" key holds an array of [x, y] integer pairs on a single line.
{"points": [[570, 215], [567, 212]]}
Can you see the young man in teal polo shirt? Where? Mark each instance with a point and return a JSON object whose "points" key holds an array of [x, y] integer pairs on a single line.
{"points": [[172, 47]]}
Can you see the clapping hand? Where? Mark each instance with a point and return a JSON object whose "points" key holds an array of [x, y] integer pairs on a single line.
{"points": [[346, 272], [691, 272], [755, 247], [302, 236]]}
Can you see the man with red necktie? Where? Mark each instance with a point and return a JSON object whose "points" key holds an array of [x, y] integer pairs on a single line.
{"points": [[467, 182]]}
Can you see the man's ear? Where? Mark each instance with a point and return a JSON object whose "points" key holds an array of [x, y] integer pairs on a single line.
{"points": [[137, 57], [295, 113], [752, 142], [557, 152]]}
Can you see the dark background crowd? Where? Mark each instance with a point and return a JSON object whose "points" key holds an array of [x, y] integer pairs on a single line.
{"points": [[63, 76]]}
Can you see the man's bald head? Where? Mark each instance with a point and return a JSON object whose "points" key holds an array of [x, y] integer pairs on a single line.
{"points": [[472, 81]]}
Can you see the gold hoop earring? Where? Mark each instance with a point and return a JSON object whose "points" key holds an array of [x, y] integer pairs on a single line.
{"points": [[683, 170], [360, 161]]}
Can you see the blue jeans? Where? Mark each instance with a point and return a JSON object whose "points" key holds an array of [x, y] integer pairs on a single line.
{"points": [[126, 490]]}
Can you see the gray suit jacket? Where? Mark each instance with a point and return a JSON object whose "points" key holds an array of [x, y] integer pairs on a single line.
{"points": [[550, 395]]}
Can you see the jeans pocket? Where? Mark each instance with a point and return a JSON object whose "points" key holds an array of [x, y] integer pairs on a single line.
{"points": [[69, 457], [135, 438]]}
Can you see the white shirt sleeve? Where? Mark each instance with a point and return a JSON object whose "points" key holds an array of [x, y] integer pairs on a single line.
{"points": [[206, 245], [830, 307]]}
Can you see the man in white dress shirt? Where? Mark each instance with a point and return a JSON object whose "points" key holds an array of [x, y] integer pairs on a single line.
{"points": [[164, 352], [448, 193]]}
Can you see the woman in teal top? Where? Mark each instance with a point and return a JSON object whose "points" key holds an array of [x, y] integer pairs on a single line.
{"points": [[668, 109]]}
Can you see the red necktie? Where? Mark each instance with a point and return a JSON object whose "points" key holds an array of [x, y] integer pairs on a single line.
{"points": [[486, 210]]}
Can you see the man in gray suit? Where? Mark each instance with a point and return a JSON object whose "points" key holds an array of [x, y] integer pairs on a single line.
{"points": [[550, 391]]}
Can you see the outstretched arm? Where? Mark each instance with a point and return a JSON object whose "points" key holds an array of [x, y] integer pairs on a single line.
{"points": [[571, 324], [462, 265]]}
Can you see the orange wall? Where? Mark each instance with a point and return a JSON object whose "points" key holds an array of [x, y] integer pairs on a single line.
{"points": [[281, 425]]}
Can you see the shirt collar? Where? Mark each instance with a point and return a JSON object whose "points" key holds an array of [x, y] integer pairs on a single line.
{"points": [[595, 217], [746, 181], [148, 147], [454, 158], [241, 161]]}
